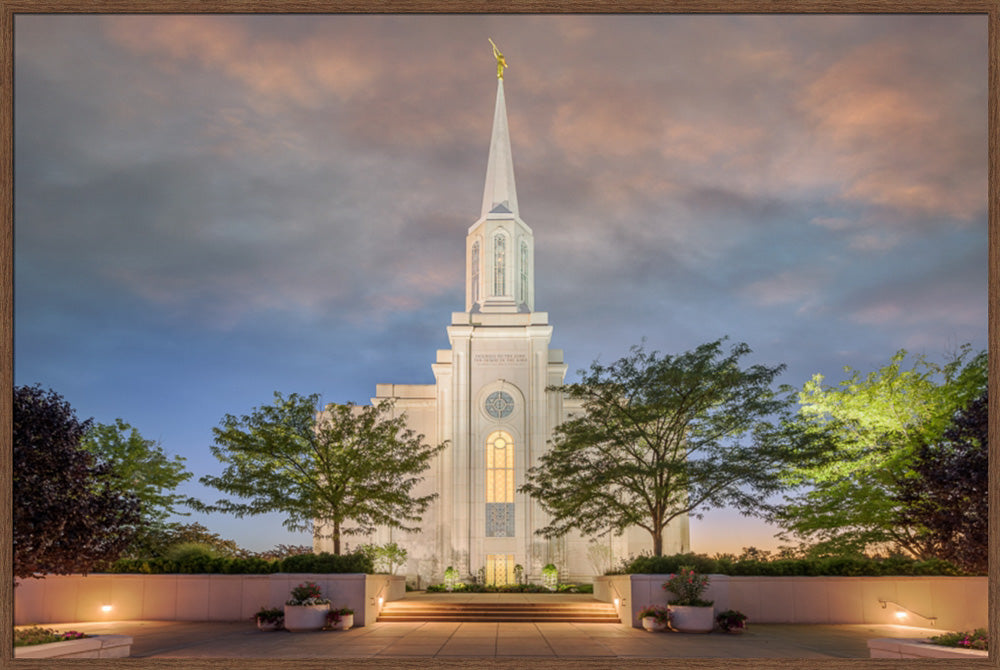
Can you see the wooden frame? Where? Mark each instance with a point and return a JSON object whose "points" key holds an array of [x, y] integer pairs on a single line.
{"points": [[8, 8]]}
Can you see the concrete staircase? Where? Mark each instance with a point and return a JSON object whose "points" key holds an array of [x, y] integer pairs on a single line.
{"points": [[488, 611]]}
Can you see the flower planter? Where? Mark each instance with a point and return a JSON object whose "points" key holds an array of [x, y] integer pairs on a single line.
{"points": [[652, 624], [346, 622], [914, 648], [268, 625], [687, 619], [96, 646], [300, 618]]}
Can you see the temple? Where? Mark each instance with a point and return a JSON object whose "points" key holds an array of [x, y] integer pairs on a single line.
{"points": [[489, 402]]}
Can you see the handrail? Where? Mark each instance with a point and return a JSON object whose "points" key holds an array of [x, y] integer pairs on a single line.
{"points": [[885, 602]]}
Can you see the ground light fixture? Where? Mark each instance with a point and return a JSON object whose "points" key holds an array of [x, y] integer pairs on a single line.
{"points": [[902, 612]]}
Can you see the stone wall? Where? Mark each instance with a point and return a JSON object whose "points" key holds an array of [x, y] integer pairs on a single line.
{"points": [[956, 603], [72, 598]]}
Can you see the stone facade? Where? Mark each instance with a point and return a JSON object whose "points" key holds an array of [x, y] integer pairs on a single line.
{"points": [[490, 403]]}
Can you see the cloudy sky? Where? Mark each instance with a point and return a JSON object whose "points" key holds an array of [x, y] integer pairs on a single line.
{"points": [[212, 208]]}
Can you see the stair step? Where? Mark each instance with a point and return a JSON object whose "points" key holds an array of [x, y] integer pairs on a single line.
{"points": [[498, 618], [572, 612]]}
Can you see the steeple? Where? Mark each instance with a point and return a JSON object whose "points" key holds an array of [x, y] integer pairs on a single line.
{"points": [[500, 190], [500, 247]]}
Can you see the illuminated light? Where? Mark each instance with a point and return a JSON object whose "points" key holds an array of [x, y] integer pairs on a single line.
{"points": [[105, 608], [380, 601], [900, 615], [617, 602]]}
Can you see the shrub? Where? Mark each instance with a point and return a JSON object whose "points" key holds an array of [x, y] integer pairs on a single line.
{"points": [[450, 578], [977, 639], [731, 620], [183, 552], [844, 566], [688, 586], [37, 635], [550, 577], [269, 615], [327, 563], [307, 593]]}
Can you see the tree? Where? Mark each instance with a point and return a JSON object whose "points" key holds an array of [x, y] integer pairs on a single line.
{"points": [[141, 467], [847, 503], [946, 494], [662, 437], [69, 514], [157, 540], [351, 465]]}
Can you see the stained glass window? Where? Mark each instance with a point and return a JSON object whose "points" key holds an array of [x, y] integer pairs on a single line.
{"points": [[499, 265], [524, 272], [499, 485], [499, 405], [475, 272]]}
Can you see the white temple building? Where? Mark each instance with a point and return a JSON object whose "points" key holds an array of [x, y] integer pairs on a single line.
{"points": [[490, 404]]}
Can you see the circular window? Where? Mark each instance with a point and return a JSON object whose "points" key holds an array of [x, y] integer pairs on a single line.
{"points": [[499, 405]]}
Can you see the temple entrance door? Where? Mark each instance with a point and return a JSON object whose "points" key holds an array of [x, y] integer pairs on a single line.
{"points": [[499, 569]]}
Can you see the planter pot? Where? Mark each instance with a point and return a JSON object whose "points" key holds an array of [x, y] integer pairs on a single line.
{"points": [[686, 619], [651, 624], [300, 618], [346, 622], [268, 625]]}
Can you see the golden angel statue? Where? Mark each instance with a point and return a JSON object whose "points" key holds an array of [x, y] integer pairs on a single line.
{"points": [[501, 63]]}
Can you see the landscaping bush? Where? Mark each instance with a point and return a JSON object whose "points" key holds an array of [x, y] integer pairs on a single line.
{"points": [[199, 564], [327, 563], [832, 566], [184, 552], [25, 637], [977, 639]]}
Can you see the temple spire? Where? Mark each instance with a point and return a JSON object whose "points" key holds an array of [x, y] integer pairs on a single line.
{"points": [[500, 194]]}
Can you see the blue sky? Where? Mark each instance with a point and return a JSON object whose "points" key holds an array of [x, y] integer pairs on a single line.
{"points": [[212, 208]]}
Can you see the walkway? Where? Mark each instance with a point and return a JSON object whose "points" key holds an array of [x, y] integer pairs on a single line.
{"points": [[174, 639]]}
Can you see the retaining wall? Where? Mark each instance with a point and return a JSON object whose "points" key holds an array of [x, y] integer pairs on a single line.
{"points": [[958, 603], [72, 598]]}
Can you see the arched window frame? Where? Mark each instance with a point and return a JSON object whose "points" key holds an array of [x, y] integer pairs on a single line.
{"points": [[499, 264], [499, 473], [524, 271], [475, 271]]}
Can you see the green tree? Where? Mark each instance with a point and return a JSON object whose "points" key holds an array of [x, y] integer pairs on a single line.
{"points": [[343, 471], [385, 557], [69, 514], [847, 504], [662, 437], [158, 540], [141, 467], [945, 495]]}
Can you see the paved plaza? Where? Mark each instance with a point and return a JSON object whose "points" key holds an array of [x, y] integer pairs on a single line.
{"points": [[174, 639]]}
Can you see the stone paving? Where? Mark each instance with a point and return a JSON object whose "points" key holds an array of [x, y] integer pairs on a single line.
{"points": [[174, 639]]}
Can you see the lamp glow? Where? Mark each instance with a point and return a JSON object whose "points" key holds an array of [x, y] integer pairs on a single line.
{"points": [[617, 602], [900, 615], [105, 608]]}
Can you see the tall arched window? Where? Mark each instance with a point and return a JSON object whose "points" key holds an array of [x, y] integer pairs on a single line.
{"points": [[499, 485], [524, 272], [475, 272], [499, 265]]}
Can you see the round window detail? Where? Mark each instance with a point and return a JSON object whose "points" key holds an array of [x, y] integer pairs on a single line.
{"points": [[499, 405]]}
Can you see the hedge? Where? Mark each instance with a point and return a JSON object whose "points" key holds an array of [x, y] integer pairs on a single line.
{"points": [[302, 563], [834, 566]]}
